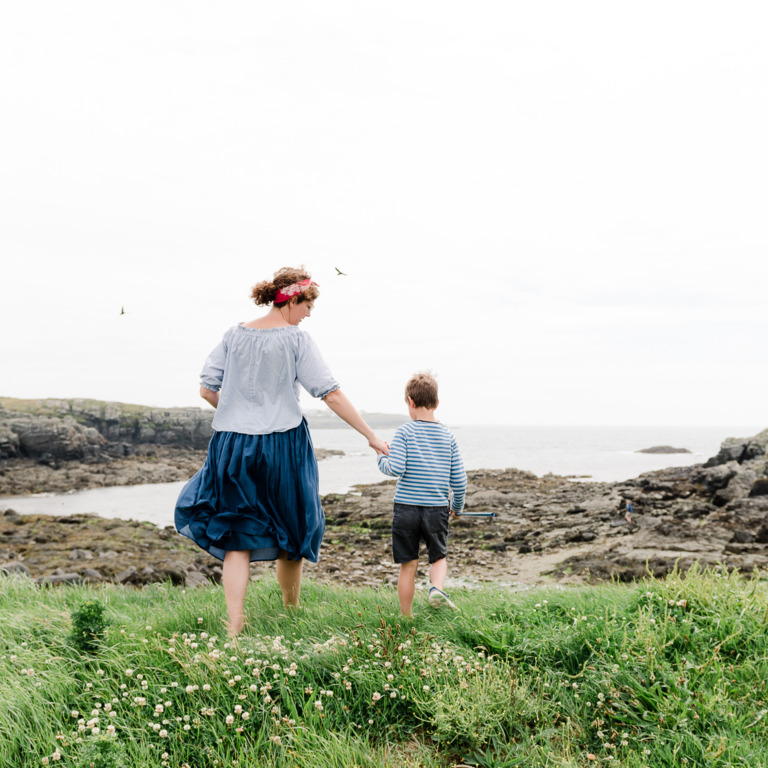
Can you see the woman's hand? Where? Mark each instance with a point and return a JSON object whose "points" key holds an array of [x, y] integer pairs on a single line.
{"points": [[379, 446]]}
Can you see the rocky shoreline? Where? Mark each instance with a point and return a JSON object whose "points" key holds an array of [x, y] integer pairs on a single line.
{"points": [[56, 446], [546, 529]]}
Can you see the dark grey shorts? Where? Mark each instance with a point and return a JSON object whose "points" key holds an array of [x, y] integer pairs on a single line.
{"points": [[412, 524]]}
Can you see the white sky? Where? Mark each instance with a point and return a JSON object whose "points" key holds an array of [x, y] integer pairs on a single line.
{"points": [[560, 207]]}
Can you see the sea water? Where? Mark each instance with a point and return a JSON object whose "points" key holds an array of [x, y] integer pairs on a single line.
{"points": [[584, 453]]}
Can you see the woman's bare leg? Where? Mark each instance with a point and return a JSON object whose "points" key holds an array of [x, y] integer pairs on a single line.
{"points": [[289, 578], [235, 575]]}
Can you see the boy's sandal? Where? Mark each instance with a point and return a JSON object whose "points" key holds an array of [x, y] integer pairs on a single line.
{"points": [[438, 599]]}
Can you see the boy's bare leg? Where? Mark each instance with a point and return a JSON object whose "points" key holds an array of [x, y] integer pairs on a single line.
{"points": [[406, 586], [437, 572], [289, 579], [235, 575]]}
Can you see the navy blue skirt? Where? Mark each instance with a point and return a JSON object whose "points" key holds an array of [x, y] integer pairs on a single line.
{"points": [[257, 493]]}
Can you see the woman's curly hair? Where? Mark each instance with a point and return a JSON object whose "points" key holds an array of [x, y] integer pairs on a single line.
{"points": [[264, 292]]}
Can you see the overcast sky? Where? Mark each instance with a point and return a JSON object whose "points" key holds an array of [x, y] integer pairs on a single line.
{"points": [[559, 208]]}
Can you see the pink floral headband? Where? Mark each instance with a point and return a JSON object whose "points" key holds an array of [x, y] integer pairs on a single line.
{"points": [[287, 293]]}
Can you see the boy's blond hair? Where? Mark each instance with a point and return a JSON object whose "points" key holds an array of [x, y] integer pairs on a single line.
{"points": [[422, 389]]}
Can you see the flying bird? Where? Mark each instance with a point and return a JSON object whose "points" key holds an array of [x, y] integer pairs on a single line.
{"points": [[339, 272]]}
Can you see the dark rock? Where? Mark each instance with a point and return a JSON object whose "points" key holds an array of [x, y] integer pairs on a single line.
{"points": [[61, 578], [742, 537], [125, 576], [740, 449], [582, 536], [760, 488], [195, 579], [8, 568]]}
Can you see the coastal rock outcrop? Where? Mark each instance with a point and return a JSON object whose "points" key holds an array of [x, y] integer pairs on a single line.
{"points": [[63, 445], [84, 429], [544, 529]]}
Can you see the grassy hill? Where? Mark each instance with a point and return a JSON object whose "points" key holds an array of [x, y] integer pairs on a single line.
{"points": [[663, 673]]}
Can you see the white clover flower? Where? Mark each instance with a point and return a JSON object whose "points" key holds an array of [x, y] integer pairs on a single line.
{"points": [[95, 730], [319, 705], [111, 730], [376, 696], [230, 719], [246, 715], [426, 688], [56, 755], [206, 687], [163, 733]]}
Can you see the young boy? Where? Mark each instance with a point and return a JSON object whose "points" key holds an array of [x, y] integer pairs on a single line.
{"points": [[425, 458]]}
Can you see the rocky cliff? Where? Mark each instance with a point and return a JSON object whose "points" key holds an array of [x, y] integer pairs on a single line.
{"points": [[63, 445], [87, 429]]}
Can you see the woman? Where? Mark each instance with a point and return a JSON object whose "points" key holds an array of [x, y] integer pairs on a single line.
{"points": [[256, 496]]}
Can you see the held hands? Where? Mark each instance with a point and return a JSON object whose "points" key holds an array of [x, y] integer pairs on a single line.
{"points": [[378, 445]]}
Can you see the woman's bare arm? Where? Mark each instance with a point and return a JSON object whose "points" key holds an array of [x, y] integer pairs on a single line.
{"points": [[342, 406], [210, 396]]}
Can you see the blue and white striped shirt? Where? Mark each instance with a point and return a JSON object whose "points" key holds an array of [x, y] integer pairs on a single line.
{"points": [[425, 458]]}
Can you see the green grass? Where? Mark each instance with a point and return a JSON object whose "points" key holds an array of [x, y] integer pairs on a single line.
{"points": [[663, 673]]}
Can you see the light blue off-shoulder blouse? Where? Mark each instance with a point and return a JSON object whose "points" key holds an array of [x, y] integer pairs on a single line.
{"points": [[257, 373]]}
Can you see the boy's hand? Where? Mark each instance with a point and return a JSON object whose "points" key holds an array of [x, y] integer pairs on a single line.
{"points": [[453, 512]]}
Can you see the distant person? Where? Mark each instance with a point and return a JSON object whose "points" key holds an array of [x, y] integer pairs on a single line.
{"points": [[431, 484], [256, 496]]}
